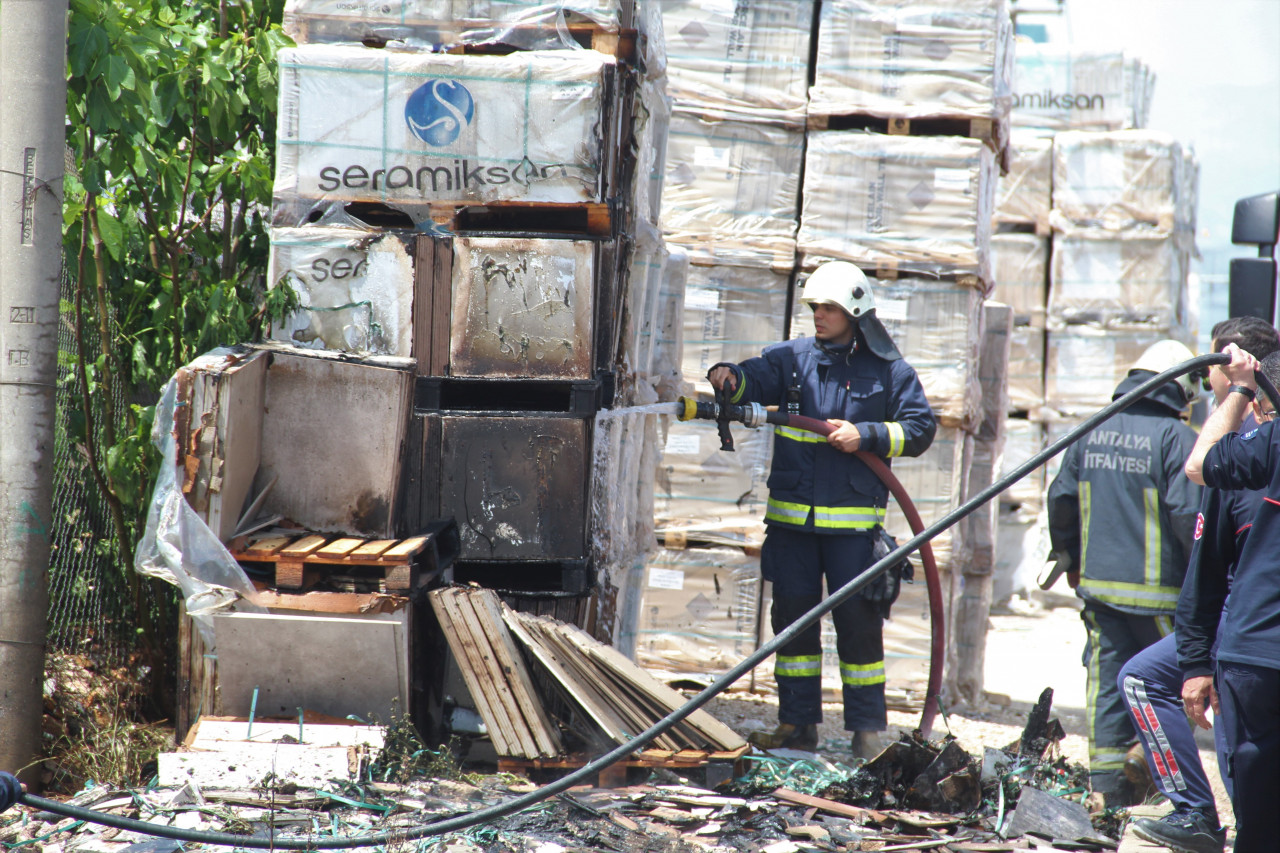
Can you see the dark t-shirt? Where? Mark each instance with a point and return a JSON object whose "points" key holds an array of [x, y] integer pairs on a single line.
{"points": [[1250, 632]]}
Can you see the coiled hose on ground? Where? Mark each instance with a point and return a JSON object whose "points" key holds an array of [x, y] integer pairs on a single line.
{"points": [[589, 770]]}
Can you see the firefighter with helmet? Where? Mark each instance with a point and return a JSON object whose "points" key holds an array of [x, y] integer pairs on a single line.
{"points": [[1121, 518], [825, 506]]}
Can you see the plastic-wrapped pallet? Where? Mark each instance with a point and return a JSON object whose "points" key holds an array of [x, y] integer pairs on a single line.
{"points": [[642, 314], [1061, 89], [699, 612], [523, 127], [1023, 439], [1133, 277], [731, 313], [914, 58], [731, 181], [1026, 369], [936, 325], [935, 481], [749, 59], [909, 203], [1130, 179], [652, 131], [1083, 364], [668, 349], [705, 494], [1021, 268], [623, 473], [427, 24], [355, 289], [1024, 195]]}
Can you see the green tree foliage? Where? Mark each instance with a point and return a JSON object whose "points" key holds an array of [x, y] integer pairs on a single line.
{"points": [[171, 108]]}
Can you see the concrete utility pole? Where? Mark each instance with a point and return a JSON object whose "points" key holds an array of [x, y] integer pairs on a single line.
{"points": [[33, 97]]}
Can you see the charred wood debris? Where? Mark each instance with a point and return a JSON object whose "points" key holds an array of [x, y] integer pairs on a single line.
{"points": [[916, 795]]}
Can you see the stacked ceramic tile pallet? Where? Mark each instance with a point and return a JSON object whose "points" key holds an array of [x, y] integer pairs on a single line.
{"points": [[467, 186], [911, 209], [1095, 227]]}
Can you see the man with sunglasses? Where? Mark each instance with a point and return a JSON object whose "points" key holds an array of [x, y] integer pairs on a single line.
{"points": [[1247, 660], [1152, 682]]}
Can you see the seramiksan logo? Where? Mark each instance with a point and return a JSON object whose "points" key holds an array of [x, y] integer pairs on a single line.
{"points": [[437, 112]]}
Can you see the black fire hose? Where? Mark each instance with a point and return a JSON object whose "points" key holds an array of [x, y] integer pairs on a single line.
{"points": [[561, 785]]}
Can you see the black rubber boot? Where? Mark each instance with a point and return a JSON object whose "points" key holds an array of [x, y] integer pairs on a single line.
{"points": [[787, 736], [866, 745], [1190, 831]]}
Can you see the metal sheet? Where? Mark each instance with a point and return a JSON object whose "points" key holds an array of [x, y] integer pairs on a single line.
{"points": [[517, 486], [522, 308]]}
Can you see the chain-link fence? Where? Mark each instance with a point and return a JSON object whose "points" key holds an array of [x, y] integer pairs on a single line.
{"points": [[99, 609]]}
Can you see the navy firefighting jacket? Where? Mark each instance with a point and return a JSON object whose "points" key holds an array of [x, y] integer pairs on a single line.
{"points": [[812, 485], [1123, 510]]}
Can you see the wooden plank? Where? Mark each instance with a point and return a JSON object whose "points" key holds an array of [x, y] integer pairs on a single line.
{"points": [[525, 628], [303, 546], [270, 545], [453, 631], [398, 578], [441, 307], [406, 548], [635, 717], [472, 663], [349, 603], [338, 548], [374, 548], [496, 674], [290, 574], [423, 301], [830, 806], [720, 734], [544, 728]]}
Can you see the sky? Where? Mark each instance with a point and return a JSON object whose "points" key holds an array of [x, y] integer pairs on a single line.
{"points": [[1217, 66]]}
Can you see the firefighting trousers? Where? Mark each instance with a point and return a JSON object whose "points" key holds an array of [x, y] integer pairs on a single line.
{"points": [[1151, 684], [796, 562], [1113, 638], [1250, 701]]}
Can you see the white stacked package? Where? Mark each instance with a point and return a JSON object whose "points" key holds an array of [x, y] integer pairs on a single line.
{"points": [[914, 58], [1118, 278], [1084, 364], [935, 481], [731, 313], [409, 129], [434, 23], [1024, 195], [731, 181], [652, 129], [1058, 88], [1124, 180], [1023, 439], [354, 288], [706, 494], [737, 58], [936, 326], [699, 612], [642, 302], [1021, 269], [909, 203], [1026, 369], [624, 455], [668, 349]]}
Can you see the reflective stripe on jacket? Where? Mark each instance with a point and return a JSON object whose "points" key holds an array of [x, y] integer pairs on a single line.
{"points": [[813, 485]]}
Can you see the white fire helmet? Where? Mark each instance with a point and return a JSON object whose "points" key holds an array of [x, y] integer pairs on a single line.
{"points": [[1165, 354], [839, 283]]}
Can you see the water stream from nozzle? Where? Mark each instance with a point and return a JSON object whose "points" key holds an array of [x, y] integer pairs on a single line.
{"points": [[649, 409]]}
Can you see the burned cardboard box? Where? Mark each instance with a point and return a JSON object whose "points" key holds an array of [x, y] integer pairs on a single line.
{"points": [[900, 203]]}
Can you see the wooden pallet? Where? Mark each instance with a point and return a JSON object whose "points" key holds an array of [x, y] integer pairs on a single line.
{"points": [[620, 44], [984, 129], [615, 776], [300, 561]]}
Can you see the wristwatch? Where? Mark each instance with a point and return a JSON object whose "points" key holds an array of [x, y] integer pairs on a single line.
{"points": [[1243, 389]]}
